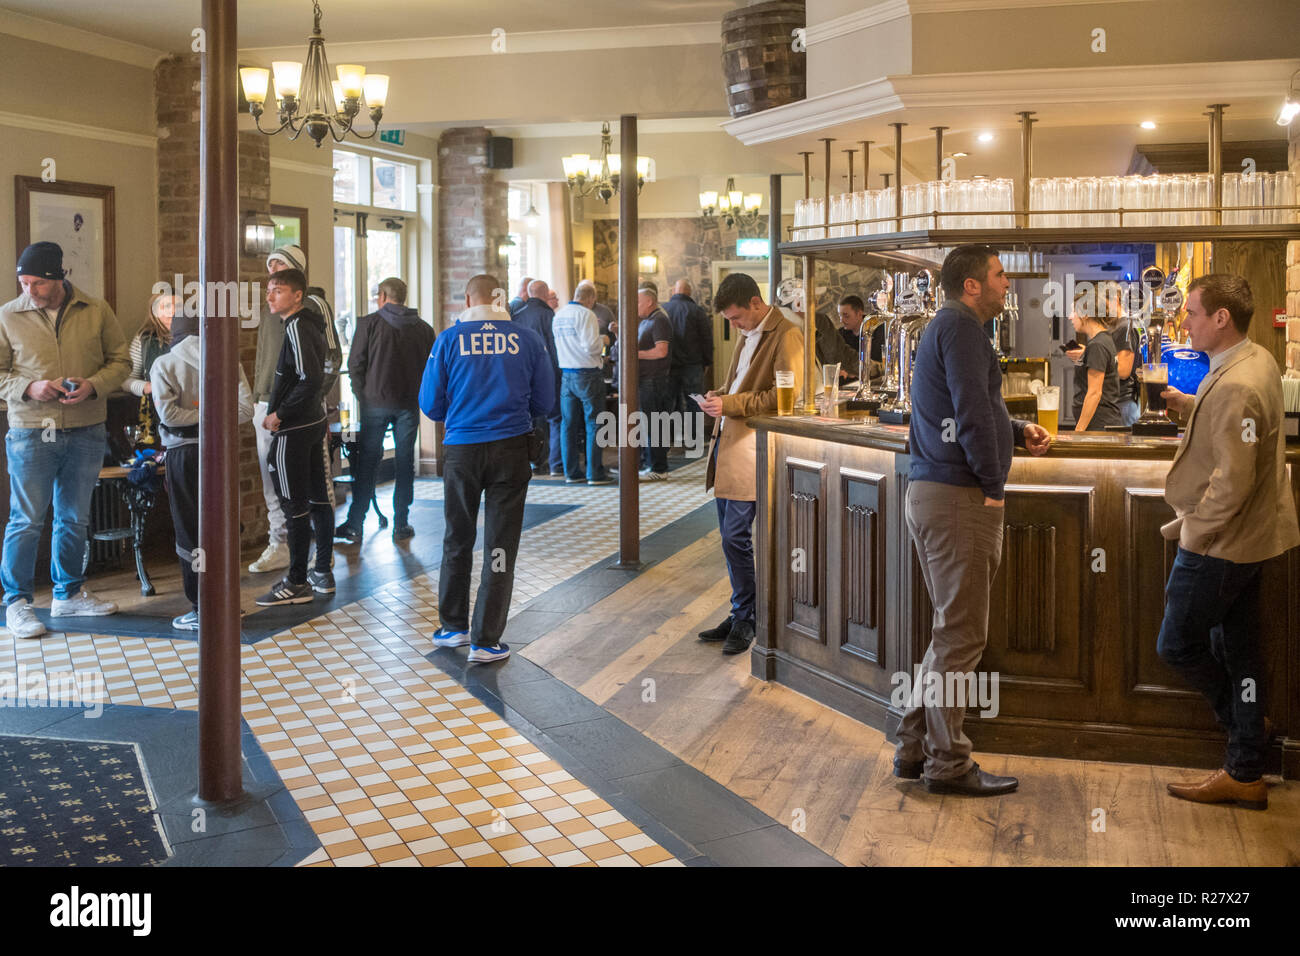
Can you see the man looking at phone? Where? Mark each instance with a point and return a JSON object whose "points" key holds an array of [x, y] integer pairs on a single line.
{"points": [[61, 353]]}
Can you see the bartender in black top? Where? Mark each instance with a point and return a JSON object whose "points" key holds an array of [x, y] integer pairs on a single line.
{"points": [[1096, 375]]}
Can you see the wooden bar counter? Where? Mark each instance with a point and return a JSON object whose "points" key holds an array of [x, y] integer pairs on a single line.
{"points": [[1074, 612]]}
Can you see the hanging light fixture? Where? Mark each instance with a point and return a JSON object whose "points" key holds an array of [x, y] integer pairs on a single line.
{"points": [[310, 99], [732, 206], [1290, 103], [600, 177], [532, 216]]}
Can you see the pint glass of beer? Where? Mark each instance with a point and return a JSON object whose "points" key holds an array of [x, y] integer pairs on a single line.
{"points": [[830, 388], [1155, 379], [785, 393], [1049, 408]]}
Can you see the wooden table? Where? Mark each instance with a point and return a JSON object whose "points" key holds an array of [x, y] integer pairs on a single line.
{"points": [[140, 502]]}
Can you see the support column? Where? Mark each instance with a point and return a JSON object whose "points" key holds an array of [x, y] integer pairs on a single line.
{"points": [[810, 369], [898, 176], [773, 237], [220, 775], [629, 501]]}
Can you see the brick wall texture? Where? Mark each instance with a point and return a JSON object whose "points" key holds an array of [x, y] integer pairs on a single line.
{"points": [[176, 94], [472, 216]]}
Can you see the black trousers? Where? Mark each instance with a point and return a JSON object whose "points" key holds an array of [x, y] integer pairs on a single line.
{"points": [[497, 472], [182, 480], [297, 467]]}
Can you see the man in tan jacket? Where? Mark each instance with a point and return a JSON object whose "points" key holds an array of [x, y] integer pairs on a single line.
{"points": [[1228, 487], [61, 353], [769, 343]]}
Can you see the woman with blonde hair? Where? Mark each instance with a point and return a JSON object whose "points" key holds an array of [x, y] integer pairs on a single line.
{"points": [[153, 340], [1096, 373]]}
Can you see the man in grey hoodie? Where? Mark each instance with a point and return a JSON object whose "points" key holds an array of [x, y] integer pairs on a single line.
{"points": [[176, 377], [386, 363]]}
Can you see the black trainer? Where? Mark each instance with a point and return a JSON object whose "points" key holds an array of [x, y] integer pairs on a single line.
{"points": [[403, 531], [348, 533], [284, 592], [715, 634], [322, 582], [738, 641], [908, 769]]}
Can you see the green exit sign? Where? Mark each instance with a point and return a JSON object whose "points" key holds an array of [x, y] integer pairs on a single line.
{"points": [[395, 136]]}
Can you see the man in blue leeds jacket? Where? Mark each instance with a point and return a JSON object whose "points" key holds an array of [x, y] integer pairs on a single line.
{"points": [[488, 379], [961, 440]]}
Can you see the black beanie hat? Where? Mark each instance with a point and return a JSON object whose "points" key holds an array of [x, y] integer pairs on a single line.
{"points": [[183, 325], [44, 260]]}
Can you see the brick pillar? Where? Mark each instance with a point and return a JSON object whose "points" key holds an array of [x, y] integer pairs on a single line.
{"points": [[472, 216], [1293, 261], [176, 93]]}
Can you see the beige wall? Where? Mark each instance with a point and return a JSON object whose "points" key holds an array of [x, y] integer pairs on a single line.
{"points": [[52, 86]]}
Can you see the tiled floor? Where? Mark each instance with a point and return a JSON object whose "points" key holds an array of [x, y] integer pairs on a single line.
{"points": [[393, 762]]}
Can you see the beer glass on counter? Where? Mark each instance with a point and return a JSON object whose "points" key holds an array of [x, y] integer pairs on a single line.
{"points": [[830, 388], [785, 393], [1049, 408], [1155, 379]]}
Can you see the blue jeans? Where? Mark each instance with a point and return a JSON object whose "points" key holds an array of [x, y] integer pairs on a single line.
{"points": [[582, 396], [63, 470], [1128, 411], [654, 395], [1210, 634], [374, 426], [736, 522]]}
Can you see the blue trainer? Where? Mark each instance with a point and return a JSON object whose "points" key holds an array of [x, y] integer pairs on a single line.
{"points": [[486, 655], [445, 638]]}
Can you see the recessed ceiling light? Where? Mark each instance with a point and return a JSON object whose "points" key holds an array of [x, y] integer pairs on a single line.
{"points": [[1148, 124], [986, 137], [960, 154]]}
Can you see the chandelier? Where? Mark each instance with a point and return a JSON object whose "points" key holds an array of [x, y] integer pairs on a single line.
{"points": [[732, 207], [599, 177], [309, 99]]}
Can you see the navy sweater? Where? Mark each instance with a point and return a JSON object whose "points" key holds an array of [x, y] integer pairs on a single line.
{"points": [[957, 388], [487, 378]]}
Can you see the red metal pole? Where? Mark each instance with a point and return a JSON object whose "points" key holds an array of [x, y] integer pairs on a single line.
{"points": [[220, 777], [629, 489]]}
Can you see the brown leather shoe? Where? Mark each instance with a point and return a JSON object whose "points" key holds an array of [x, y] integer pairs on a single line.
{"points": [[1219, 787]]}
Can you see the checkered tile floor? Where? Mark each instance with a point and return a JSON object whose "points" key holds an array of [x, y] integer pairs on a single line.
{"points": [[392, 761]]}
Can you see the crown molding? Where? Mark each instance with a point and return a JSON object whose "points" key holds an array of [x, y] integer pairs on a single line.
{"points": [[307, 169], [43, 124], [70, 38], [1019, 89], [859, 20], [542, 41], [981, 6], [645, 127]]}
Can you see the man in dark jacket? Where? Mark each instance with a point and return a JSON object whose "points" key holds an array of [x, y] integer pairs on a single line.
{"points": [[535, 314], [385, 366], [691, 351], [295, 416], [961, 437]]}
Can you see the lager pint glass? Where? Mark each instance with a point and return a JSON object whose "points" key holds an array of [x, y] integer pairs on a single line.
{"points": [[785, 393], [1049, 408]]}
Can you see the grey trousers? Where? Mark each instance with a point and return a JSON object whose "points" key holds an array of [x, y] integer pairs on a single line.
{"points": [[959, 543]]}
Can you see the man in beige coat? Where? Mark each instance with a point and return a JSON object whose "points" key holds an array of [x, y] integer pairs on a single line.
{"points": [[769, 343], [1228, 487], [61, 353]]}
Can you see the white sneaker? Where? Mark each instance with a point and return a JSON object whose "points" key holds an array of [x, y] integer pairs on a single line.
{"points": [[84, 604], [274, 558], [21, 620], [647, 475]]}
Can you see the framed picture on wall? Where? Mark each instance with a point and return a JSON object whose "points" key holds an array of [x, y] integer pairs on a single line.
{"points": [[579, 267], [291, 227], [80, 217]]}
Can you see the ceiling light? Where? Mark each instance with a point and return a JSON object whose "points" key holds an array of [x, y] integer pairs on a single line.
{"points": [[600, 177], [1290, 104], [960, 154], [1148, 124], [985, 137]]}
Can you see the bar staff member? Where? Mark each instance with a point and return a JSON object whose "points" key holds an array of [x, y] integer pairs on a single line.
{"points": [[1229, 489]]}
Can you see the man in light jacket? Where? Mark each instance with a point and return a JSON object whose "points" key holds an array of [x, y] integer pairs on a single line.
{"points": [[579, 347], [771, 343], [1228, 487], [61, 353]]}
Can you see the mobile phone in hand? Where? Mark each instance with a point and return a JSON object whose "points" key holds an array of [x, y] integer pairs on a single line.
{"points": [[699, 399], [68, 385]]}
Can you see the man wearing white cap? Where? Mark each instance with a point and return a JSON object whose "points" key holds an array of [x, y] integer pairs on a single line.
{"points": [[270, 337]]}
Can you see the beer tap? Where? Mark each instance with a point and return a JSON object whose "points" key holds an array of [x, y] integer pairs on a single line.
{"points": [[1154, 373], [915, 309], [1153, 280], [867, 398]]}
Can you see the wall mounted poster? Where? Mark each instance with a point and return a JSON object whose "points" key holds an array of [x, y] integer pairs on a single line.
{"points": [[80, 218]]}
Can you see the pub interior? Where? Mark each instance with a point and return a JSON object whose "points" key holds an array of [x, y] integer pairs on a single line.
{"points": [[1111, 153]]}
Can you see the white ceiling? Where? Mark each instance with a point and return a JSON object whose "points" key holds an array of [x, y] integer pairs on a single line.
{"points": [[166, 24]]}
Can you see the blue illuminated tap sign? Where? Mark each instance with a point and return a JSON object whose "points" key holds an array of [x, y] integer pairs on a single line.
{"points": [[752, 247]]}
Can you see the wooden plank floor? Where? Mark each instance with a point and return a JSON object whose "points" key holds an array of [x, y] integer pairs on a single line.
{"points": [[830, 777]]}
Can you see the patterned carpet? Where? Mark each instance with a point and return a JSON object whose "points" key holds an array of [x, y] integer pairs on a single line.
{"points": [[75, 803]]}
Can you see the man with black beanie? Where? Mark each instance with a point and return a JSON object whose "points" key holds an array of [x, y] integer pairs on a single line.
{"points": [[295, 417]]}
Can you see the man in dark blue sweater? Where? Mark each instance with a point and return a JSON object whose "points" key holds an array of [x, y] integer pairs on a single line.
{"points": [[961, 440], [537, 315], [488, 379]]}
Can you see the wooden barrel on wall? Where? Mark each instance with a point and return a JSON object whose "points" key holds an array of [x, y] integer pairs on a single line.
{"points": [[759, 62]]}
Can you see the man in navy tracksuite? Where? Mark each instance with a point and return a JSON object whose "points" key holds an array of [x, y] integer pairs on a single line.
{"points": [[487, 379]]}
